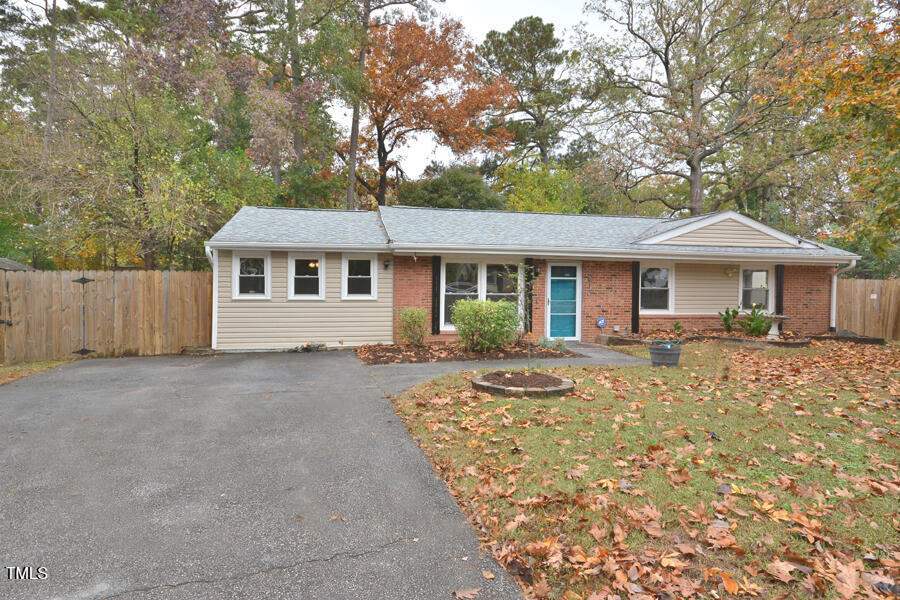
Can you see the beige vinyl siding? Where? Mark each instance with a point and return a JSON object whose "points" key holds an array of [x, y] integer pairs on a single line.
{"points": [[705, 288], [283, 323], [728, 232]]}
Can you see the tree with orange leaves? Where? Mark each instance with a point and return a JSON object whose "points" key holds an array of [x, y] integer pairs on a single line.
{"points": [[422, 79]]}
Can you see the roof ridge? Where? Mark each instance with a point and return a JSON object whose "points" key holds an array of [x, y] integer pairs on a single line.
{"points": [[302, 208], [527, 212]]}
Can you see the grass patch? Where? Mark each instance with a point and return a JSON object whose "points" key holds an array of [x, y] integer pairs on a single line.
{"points": [[10, 373], [744, 471]]}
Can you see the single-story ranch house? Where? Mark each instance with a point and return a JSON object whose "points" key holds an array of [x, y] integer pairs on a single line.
{"points": [[286, 277]]}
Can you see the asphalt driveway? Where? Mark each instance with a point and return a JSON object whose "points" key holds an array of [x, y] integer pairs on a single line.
{"points": [[239, 476]]}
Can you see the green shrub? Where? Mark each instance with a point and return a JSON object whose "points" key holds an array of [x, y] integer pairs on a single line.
{"points": [[729, 318], [678, 327], [483, 325], [553, 344], [755, 322], [413, 325]]}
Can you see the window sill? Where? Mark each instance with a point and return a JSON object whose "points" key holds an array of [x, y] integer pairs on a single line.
{"points": [[306, 298], [653, 311], [359, 298], [251, 297]]}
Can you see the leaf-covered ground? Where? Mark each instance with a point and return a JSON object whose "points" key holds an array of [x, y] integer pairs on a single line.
{"points": [[770, 473]]}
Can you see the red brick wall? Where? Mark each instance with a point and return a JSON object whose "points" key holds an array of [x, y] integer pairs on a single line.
{"points": [[807, 298], [605, 292], [412, 287], [539, 300]]}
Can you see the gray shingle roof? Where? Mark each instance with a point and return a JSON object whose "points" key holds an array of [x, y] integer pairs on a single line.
{"points": [[296, 226], [8, 264], [408, 228]]}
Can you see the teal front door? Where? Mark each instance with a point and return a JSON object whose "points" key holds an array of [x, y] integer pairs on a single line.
{"points": [[563, 302]]}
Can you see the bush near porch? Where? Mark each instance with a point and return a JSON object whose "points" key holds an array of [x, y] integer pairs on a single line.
{"points": [[764, 473]]}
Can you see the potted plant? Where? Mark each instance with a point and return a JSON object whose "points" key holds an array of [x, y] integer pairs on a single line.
{"points": [[665, 353]]}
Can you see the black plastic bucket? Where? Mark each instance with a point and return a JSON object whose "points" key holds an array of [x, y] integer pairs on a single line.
{"points": [[665, 356]]}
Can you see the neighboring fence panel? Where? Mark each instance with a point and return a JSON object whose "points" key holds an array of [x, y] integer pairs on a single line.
{"points": [[869, 307], [126, 312]]}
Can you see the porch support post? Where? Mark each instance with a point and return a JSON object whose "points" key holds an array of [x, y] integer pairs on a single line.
{"points": [[635, 297], [435, 295], [779, 289], [528, 291]]}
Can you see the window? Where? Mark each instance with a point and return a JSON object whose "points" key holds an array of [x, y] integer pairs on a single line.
{"points": [[501, 282], [478, 281], [306, 277], [251, 275], [460, 281], [655, 288], [360, 278], [755, 289]]}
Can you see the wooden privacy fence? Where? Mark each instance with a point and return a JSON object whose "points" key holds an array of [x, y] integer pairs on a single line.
{"points": [[869, 307], [126, 312]]}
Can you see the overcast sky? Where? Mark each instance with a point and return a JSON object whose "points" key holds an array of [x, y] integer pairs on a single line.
{"points": [[479, 17]]}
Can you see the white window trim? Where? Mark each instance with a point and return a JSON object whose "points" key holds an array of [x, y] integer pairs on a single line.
{"points": [[482, 283], [236, 257], [292, 266], [658, 311], [770, 280], [373, 259], [578, 309]]}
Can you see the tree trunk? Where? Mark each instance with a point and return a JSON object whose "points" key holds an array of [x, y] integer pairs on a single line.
{"points": [[354, 125], [696, 186], [51, 84], [381, 194], [295, 72]]}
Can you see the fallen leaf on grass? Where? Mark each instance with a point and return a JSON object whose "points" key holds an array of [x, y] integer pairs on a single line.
{"points": [[780, 570]]}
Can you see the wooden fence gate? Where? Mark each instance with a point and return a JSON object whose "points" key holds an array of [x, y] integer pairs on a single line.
{"points": [[125, 313], [869, 307]]}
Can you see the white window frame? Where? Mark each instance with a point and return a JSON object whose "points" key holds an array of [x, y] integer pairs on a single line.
{"points": [[482, 282], [658, 311], [770, 281], [345, 272], [292, 267], [236, 257]]}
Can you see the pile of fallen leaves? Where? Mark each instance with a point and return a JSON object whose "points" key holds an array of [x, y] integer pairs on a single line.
{"points": [[382, 354], [769, 473]]}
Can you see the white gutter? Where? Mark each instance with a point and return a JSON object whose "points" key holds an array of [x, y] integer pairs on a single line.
{"points": [[213, 256], [832, 325]]}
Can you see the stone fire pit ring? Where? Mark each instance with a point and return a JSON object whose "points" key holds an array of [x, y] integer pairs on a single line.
{"points": [[481, 384]]}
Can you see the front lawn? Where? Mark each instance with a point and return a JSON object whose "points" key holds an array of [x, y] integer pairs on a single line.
{"points": [[767, 473]]}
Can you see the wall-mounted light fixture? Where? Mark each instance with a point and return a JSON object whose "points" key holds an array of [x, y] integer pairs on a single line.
{"points": [[387, 264], [731, 271], [537, 270]]}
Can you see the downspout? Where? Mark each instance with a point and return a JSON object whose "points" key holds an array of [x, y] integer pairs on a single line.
{"points": [[833, 321], [212, 256]]}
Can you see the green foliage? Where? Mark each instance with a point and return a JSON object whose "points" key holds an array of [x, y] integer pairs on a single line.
{"points": [[483, 325], [677, 327], [542, 189], [535, 62], [455, 187], [413, 325], [871, 265], [755, 322], [729, 318]]}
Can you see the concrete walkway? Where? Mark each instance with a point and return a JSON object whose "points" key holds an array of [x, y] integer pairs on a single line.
{"points": [[396, 378]]}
